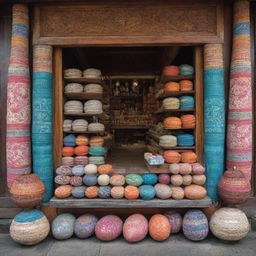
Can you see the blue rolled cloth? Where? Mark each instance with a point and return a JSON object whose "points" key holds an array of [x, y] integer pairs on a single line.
{"points": [[185, 140]]}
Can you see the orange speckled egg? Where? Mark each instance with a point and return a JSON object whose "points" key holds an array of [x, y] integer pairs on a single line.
{"points": [[117, 192], [105, 169], [67, 151], [171, 156], [91, 192], [82, 140], [172, 87], [195, 192], [186, 85], [171, 70], [81, 150], [177, 192], [172, 122], [63, 191], [131, 192], [188, 157], [159, 227], [117, 180], [199, 179], [176, 180]]}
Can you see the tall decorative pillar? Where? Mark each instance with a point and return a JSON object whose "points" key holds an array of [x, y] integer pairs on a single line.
{"points": [[239, 132], [42, 133], [214, 116], [18, 146]]}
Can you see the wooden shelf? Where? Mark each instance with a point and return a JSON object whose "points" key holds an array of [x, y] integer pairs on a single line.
{"points": [[135, 77], [164, 111], [130, 127], [124, 203], [127, 97], [87, 132], [173, 94], [179, 129], [84, 114], [83, 80], [83, 95], [178, 148], [165, 79]]}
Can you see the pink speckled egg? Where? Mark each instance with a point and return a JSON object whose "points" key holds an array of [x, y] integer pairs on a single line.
{"points": [[117, 192], [163, 191], [199, 179], [185, 168], [164, 178], [175, 220], [159, 227], [109, 228], [174, 168], [198, 169], [176, 180], [135, 228]]}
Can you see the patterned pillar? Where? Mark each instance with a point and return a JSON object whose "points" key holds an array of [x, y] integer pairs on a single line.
{"points": [[42, 117], [214, 116], [18, 147], [239, 132]]}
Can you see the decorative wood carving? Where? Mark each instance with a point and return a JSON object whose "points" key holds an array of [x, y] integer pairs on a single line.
{"points": [[140, 22]]}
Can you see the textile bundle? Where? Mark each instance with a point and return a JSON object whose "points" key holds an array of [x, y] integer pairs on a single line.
{"points": [[214, 116], [239, 132], [18, 147], [42, 117]]}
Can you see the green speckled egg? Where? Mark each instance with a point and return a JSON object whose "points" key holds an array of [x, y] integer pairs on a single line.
{"points": [[133, 179]]}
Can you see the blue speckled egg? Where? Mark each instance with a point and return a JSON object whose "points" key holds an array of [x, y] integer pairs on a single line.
{"points": [[90, 179], [69, 140], [63, 226], [78, 170], [149, 178], [133, 179], [78, 192], [85, 225], [104, 191], [186, 70], [147, 192]]}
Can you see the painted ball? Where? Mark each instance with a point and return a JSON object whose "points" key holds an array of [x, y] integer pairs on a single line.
{"points": [[176, 180], [63, 226], [103, 179], [78, 192], [175, 220], [164, 178], [149, 178], [117, 192], [229, 224], [177, 192], [90, 169], [117, 180], [133, 179], [63, 191], [61, 179], [76, 181], [85, 225], [104, 191], [135, 228], [159, 227], [109, 228], [92, 192], [131, 192], [195, 192], [78, 170], [81, 160], [195, 225], [90, 180], [163, 191], [29, 227], [147, 192]]}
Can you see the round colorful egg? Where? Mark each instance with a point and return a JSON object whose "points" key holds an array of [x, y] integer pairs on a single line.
{"points": [[63, 191], [175, 220], [105, 169], [135, 228], [63, 226], [195, 225], [117, 180], [76, 181], [104, 191], [176, 180], [195, 192], [174, 168], [177, 192], [62, 180], [147, 192], [92, 192], [109, 228], [133, 179], [149, 178], [64, 170], [85, 225], [90, 180], [159, 227], [185, 168], [164, 178], [78, 170], [69, 140], [187, 180], [90, 169], [117, 192], [103, 179], [29, 227], [78, 192], [163, 191], [131, 192]]}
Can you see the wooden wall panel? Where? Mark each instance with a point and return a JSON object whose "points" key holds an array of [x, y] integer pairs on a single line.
{"points": [[145, 22]]}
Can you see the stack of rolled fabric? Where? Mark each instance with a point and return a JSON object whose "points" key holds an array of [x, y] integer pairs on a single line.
{"points": [[97, 151], [171, 156], [72, 73], [167, 141], [96, 141], [93, 107], [187, 102], [93, 88], [73, 107], [188, 157], [68, 160], [172, 123], [79, 125], [185, 140], [186, 85], [172, 87], [96, 127], [171, 70], [92, 73], [186, 70], [188, 121], [82, 140], [74, 87], [81, 160], [67, 125], [171, 103]]}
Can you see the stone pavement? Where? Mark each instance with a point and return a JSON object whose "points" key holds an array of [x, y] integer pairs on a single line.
{"points": [[176, 245]]}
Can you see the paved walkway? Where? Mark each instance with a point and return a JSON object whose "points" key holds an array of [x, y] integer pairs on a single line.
{"points": [[176, 245]]}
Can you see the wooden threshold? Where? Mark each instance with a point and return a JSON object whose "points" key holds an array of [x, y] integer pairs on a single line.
{"points": [[124, 203]]}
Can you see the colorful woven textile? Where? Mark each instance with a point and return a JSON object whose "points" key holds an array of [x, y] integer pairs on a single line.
{"points": [[42, 117], [239, 132], [18, 148], [214, 116]]}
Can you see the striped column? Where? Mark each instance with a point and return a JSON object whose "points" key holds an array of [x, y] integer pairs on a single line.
{"points": [[18, 147], [214, 117], [239, 132], [42, 147]]}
